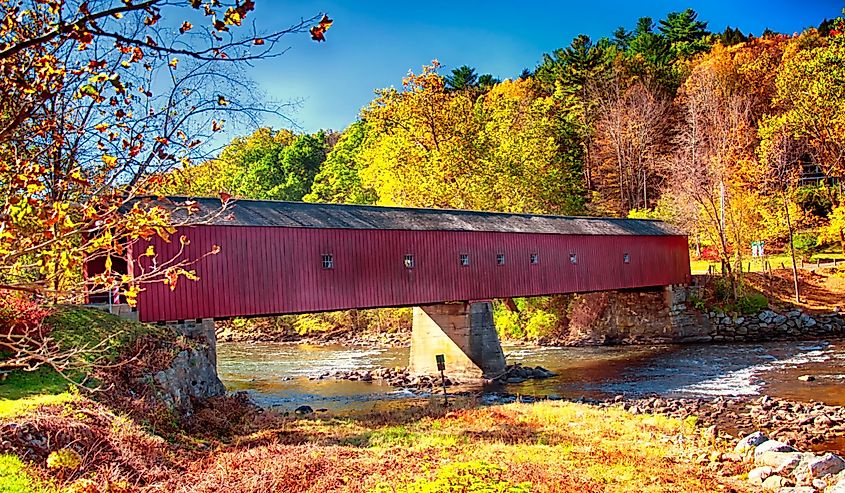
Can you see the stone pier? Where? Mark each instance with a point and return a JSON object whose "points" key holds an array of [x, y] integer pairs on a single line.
{"points": [[464, 333]]}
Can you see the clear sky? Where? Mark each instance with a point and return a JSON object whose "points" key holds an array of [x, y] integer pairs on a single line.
{"points": [[374, 43]]}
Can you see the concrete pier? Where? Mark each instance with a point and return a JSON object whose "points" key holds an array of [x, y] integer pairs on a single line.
{"points": [[464, 333]]}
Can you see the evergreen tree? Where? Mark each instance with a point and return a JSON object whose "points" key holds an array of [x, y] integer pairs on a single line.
{"points": [[463, 77], [686, 35]]}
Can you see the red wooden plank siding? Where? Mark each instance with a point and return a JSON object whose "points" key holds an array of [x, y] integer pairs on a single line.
{"points": [[270, 270]]}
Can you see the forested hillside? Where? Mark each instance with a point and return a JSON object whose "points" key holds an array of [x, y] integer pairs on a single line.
{"points": [[732, 137]]}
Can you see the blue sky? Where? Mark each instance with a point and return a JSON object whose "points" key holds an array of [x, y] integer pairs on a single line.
{"points": [[374, 43]]}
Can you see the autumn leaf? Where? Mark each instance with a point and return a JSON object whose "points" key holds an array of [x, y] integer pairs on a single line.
{"points": [[101, 127], [222, 101], [318, 32], [258, 41], [109, 161], [224, 197], [186, 26]]}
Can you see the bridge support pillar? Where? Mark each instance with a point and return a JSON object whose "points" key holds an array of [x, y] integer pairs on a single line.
{"points": [[464, 333]]}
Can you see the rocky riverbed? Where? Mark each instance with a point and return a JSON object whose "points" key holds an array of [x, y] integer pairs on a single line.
{"points": [[783, 468], [402, 377]]}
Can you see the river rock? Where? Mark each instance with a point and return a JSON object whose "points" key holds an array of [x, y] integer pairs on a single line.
{"points": [[839, 487], [779, 461], [772, 446], [775, 483], [757, 475], [826, 465], [750, 442], [806, 378]]}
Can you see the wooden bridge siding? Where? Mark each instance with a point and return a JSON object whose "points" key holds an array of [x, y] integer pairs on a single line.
{"points": [[266, 270]]}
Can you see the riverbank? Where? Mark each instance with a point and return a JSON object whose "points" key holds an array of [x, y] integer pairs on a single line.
{"points": [[548, 446]]}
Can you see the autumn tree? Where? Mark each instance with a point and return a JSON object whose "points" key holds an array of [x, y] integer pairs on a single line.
{"points": [[96, 101], [632, 138], [430, 147]]}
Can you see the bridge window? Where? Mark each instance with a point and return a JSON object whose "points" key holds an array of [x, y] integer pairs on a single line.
{"points": [[464, 259], [409, 261], [626, 258], [534, 259], [500, 259], [328, 261], [573, 258]]}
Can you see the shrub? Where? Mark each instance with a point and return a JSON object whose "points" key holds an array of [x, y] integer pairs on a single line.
{"points": [[805, 243], [751, 303], [19, 314]]}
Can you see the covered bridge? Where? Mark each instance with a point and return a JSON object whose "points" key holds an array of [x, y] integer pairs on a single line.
{"points": [[289, 257]]}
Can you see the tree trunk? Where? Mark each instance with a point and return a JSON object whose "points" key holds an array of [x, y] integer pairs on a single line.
{"points": [[792, 251]]}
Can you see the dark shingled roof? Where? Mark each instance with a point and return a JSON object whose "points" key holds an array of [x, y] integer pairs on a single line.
{"points": [[338, 216]]}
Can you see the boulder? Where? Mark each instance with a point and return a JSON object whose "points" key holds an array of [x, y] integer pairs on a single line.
{"points": [[772, 446], [750, 442], [779, 461], [303, 410], [826, 465]]}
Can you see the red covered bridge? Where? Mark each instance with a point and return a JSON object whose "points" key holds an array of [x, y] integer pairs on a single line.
{"points": [[284, 257]]}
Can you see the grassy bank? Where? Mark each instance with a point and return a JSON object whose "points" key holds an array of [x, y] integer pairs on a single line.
{"points": [[547, 446]]}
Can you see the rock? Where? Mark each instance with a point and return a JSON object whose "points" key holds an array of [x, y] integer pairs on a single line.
{"points": [[826, 465], [750, 442], [757, 475], [819, 484], [192, 374], [797, 489], [772, 446], [303, 410], [779, 461], [806, 378], [775, 483], [839, 487], [515, 380]]}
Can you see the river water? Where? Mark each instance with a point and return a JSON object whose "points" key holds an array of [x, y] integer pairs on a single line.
{"points": [[278, 375]]}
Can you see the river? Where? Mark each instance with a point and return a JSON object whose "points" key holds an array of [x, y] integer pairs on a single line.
{"points": [[279, 375]]}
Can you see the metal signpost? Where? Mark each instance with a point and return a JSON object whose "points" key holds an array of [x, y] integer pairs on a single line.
{"points": [[441, 365]]}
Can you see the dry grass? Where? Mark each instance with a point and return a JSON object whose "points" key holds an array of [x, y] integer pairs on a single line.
{"points": [[231, 446], [549, 446], [821, 289]]}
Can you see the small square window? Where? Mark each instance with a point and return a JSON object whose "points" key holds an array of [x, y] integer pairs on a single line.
{"points": [[409, 261], [626, 258], [573, 258], [500, 259], [464, 258], [534, 259], [328, 261]]}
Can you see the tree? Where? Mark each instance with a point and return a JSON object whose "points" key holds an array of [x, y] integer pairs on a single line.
{"points": [[463, 77], [430, 147], [632, 136], [686, 35], [96, 102], [338, 179]]}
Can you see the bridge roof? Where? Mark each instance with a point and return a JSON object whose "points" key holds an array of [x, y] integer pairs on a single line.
{"points": [[270, 213]]}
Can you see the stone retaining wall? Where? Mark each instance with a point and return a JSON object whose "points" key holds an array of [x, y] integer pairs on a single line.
{"points": [[666, 315]]}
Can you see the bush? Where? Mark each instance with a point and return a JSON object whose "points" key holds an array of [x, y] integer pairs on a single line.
{"points": [[19, 314], [752, 303], [805, 243]]}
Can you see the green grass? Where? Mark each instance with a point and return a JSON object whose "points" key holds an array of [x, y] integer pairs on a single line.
{"points": [[77, 327], [14, 477], [72, 327]]}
